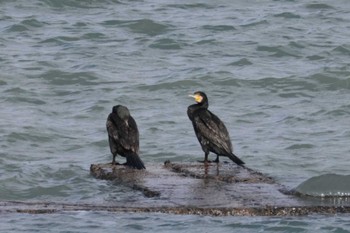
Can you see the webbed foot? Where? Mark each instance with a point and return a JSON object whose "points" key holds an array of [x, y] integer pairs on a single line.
{"points": [[205, 161], [115, 163]]}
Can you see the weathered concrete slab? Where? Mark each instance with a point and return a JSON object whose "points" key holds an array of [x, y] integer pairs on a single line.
{"points": [[226, 172], [48, 208], [197, 185], [217, 187], [193, 188]]}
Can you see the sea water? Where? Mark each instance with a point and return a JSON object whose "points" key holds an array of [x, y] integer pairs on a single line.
{"points": [[276, 72]]}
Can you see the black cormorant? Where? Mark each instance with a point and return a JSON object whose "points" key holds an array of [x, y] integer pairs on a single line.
{"points": [[210, 130], [123, 136]]}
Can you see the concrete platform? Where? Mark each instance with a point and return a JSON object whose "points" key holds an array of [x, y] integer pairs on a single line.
{"points": [[193, 188], [217, 189]]}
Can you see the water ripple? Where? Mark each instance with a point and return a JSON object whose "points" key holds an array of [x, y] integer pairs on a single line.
{"points": [[168, 44], [33, 23], [191, 6], [219, 28], [241, 62], [319, 6], [58, 77], [59, 4], [279, 51], [276, 72], [28, 100], [17, 28], [300, 146], [288, 15], [171, 85], [256, 23]]}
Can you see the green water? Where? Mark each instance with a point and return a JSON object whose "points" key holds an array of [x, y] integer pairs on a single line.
{"points": [[276, 72]]}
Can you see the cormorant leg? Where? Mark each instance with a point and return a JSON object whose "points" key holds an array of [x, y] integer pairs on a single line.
{"points": [[216, 160], [114, 162], [205, 158]]}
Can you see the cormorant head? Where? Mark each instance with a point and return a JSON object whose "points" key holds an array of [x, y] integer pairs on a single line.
{"points": [[200, 97], [121, 111]]}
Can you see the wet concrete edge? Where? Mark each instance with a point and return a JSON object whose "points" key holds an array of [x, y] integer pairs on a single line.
{"points": [[51, 207]]}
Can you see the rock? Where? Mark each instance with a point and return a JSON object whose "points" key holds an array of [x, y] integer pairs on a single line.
{"points": [[326, 185]]}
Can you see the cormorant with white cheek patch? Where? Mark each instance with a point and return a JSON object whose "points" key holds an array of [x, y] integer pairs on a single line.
{"points": [[210, 130]]}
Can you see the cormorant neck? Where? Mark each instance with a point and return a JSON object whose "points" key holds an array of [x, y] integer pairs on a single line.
{"points": [[203, 104]]}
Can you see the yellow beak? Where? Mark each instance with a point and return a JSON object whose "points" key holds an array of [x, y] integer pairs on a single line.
{"points": [[197, 98]]}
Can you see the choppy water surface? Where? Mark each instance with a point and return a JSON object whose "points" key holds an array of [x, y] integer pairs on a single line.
{"points": [[276, 72], [91, 222]]}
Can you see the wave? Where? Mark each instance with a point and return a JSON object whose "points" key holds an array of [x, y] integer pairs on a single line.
{"points": [[57, 77], [77, 3], [192, 6], [166, 44], [60, 40], [25, 25], [319, 6], [143, 26], [219, 28], [288, 15], [241, 62], [300, 146], [293, 86], [328, 185], [331, 80], [180, 84], [256, 23], [279, 51]]}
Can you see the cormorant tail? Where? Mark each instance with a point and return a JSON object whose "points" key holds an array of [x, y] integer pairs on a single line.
{"points": [[134, 161], [235, 159]]}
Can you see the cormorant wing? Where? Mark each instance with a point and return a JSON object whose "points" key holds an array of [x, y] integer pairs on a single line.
{"points": [[124, 133], [129, 136], [211, 128], [111, 127]]}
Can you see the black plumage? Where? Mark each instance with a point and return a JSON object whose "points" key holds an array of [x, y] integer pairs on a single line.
{"points": [[210, 130], [123, 136]]}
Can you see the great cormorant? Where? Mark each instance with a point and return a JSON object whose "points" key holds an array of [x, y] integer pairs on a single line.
{"points": [[123, 136], [210, 130]]}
